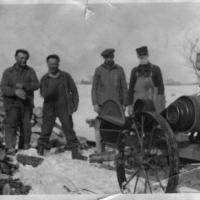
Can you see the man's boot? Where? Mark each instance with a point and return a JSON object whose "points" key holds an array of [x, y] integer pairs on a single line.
{"points": [[11, 151], [77, 155], [40, 150], [27, 146]]}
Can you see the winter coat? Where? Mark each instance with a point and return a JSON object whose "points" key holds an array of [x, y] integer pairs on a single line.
{"points": [[154, 73], [60, 92], [13, 75], [109, 83]]}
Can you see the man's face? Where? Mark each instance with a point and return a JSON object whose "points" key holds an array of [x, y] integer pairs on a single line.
{"points": [[21, 59], [109, 60], [143, 60], [53, 65]]}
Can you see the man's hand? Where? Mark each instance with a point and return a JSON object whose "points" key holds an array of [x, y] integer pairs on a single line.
{"points": [[74, 109], [130, 110], [20, 94], [124, 108], [19, 86], [96, 108]]}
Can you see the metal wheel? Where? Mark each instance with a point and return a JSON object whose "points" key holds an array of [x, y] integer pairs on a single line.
{"points": [[147, 161]]}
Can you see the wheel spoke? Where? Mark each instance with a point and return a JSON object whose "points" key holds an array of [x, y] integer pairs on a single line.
{"points": [[145, 186], [149, 182], [136, 182], [132, 176], [166, 173], [138, 135], [151, 145], [157, 177], [153, 140], [142, 133], [147, 179], [162, 168], [152, 167]]}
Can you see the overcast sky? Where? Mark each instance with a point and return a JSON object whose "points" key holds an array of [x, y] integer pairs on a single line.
{"points": [[63, 29]]}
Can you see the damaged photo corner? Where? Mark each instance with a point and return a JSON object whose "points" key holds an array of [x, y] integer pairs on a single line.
{"points": [[99, 99]]}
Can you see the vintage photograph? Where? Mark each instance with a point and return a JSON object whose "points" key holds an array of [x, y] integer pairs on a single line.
{"points": [[99, 99]]}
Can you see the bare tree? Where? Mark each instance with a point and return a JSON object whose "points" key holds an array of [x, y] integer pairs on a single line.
{"points": [[189, 52]]}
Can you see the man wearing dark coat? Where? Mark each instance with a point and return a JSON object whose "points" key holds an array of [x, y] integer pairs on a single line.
{"points": [[109, 82], [60, 100], [146, 82], [18, 85]]}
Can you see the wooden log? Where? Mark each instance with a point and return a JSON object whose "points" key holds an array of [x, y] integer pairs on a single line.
{"points": [[6, 190], [101, 157], [83, 142], [17, 187], [2, 154], [91, 122], [29, 160], [8, 168], [37, 112]]}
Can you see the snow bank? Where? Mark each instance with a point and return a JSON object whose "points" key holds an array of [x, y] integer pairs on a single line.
{"points": [[59, 174]]}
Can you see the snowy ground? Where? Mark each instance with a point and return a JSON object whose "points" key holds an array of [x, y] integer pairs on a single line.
{"points": [[59, 174]]}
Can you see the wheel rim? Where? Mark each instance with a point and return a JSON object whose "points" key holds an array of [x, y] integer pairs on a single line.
{"points": [[147, 161]]}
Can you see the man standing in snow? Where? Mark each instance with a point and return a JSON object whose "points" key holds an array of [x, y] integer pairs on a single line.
{"points": [[18, 85], [60, 100], [109, 82], [146, 82]]}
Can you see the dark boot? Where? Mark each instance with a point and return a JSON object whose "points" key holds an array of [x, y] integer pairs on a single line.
{"points": [[11, 151], [21, 143], [77, 155], [40, 150], [27, 146]]}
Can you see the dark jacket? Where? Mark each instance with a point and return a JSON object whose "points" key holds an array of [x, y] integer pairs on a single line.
{"points": [[60, 91], [156, 77], [109, 83], [11, 77]]}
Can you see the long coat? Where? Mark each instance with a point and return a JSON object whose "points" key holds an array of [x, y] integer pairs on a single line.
{"points": [[109, 83]]}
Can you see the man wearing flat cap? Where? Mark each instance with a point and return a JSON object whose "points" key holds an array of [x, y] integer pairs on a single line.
{"points": [[61, 100], [146, 82], [109, 82]]}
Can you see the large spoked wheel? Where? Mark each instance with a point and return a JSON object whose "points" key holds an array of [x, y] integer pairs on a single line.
{"points": [[147, 161]]}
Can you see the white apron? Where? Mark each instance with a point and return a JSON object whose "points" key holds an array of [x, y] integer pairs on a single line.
{"points": [[144, 88]]}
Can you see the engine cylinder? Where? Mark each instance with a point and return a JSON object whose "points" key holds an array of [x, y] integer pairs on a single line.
{"points": [[184, 114]]}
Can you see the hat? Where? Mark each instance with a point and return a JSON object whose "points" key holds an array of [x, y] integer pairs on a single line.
{"points": [[108, 53], [142, 51]]}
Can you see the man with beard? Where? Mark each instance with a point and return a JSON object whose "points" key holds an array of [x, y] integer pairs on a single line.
{"points": [[18, 85], [60, 100], [146, 82], [109, 82]]}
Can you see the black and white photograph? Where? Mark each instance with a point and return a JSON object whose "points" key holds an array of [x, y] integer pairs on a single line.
{"points": [[100, 99]]}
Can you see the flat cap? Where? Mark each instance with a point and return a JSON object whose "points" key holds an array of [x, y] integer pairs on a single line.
{"points": [[142, 51], [107, 53]]}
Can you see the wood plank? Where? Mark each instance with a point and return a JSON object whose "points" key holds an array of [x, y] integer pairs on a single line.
{"points": [[189, 151]]}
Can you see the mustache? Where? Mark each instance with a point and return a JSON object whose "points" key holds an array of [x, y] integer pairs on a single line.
{"points": [[110, 62]]}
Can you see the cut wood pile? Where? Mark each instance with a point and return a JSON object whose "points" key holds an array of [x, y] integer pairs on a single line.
{"points": [[8, 185], [29, 160], [9, 165]]}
